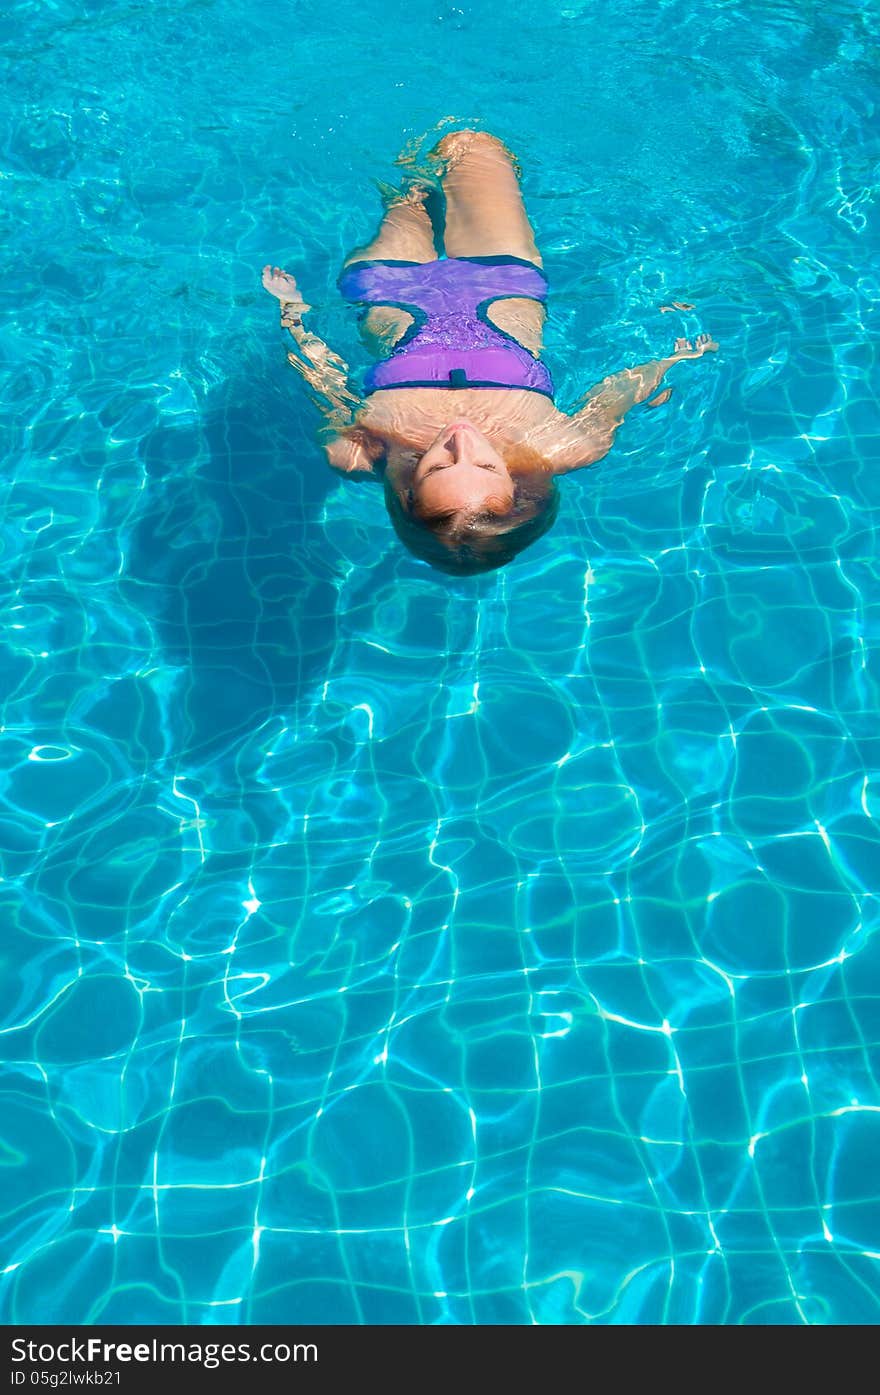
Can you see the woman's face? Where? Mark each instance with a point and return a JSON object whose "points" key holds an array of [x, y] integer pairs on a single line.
{"points": [[459, 471]]}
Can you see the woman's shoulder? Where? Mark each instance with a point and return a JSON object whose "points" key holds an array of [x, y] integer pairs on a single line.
{"points": [[566, 443], [353, 453]]}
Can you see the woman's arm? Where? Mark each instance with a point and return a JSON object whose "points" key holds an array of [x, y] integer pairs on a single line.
{"points": [[605, 405], [325, 373]]}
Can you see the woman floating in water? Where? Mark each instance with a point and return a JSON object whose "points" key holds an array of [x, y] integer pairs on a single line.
{"points": [[457, 418]]}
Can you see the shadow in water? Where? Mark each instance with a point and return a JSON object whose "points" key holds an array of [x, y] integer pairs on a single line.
{"points": [[229, 561]]}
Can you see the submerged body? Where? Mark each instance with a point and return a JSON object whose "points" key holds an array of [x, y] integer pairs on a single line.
{"points": [[458, 418]]}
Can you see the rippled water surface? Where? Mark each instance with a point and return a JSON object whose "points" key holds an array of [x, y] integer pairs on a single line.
{"points": [[382, 947]]}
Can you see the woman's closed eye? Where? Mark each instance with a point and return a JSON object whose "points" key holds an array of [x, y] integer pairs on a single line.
{"points": [[448, 464]]}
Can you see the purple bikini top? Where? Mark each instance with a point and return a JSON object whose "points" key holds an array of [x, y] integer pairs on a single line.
{"points": [[451, 343]]}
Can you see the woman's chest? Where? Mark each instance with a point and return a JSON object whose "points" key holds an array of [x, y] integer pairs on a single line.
{"points": [[415, 416]]}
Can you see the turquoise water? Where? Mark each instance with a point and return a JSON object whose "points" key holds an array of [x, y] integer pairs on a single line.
{"points": [[379, 946]]}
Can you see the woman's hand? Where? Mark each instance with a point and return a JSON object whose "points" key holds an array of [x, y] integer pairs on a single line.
{"points": [[284, 288], [694, 348]]}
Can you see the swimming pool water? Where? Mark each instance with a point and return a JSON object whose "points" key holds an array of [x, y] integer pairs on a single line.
{"points": [[378, 946]]}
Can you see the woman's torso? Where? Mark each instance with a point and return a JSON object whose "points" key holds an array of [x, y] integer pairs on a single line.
{"points": [[452, 321]]}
